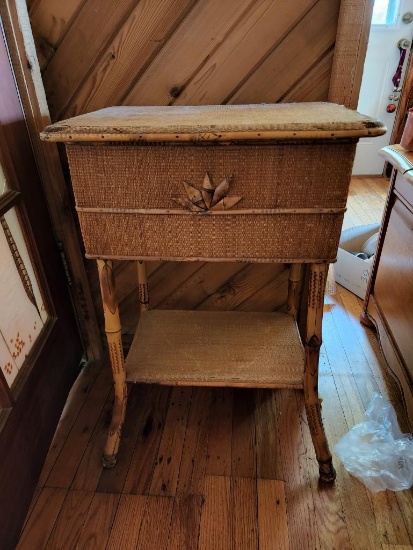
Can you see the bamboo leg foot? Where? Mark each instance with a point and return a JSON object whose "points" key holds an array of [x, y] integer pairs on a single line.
{"points": [[366, 321], [113, 334], [313, 342]]}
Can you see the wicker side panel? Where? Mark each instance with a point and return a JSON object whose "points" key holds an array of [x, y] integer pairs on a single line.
{"points": [[263, 237], [265, 176]]}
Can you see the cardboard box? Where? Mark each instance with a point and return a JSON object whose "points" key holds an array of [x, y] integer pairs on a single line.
{"points": [[351, 272]]}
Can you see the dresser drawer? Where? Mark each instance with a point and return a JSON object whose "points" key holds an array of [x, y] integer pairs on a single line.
{"points": [[405, 188], [393, 288]]}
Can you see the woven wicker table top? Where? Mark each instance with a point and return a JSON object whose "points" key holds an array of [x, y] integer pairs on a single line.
{"points": [[283, 121]]}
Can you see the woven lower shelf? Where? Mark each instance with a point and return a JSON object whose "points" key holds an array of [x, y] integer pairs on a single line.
{"points": [[216, 349]]}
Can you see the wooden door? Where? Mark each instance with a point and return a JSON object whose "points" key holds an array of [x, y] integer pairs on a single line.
{"points": [[31, 404]]}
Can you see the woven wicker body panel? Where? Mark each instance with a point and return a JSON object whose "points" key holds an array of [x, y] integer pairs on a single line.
{"points": [[262, 237], [265, 176]]}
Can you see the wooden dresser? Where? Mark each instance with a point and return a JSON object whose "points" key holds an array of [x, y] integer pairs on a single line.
{"points": [[389, 298], [250, 183]]}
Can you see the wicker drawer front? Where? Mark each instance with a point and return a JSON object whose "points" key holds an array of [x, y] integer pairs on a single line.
{"points": [[265, 176], [283, 238], [125, 200]]}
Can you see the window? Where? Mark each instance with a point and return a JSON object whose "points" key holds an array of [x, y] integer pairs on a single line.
{"points": [[385, 12]]}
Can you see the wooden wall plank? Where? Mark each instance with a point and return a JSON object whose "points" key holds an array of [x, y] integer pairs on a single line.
{"points": [[197, 37], [198, 288], [315, 85], [234, 60], [308, 41], [233, 293], [270, 297], [51, 19], [123, 45], [97, 22]]}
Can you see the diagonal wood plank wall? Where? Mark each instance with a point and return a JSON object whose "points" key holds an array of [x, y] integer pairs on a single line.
{"points": [[96, 53]]}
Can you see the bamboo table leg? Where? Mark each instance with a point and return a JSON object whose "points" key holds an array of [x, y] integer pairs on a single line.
{"points": [[143, 286], [113, 335], [293, 281], [318, 278]]}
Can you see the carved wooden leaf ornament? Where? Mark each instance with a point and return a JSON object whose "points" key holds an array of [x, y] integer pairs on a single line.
{"points": [[208, 197]]}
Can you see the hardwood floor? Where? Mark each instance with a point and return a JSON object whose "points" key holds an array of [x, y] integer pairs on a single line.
{"points": [[206, 468]]}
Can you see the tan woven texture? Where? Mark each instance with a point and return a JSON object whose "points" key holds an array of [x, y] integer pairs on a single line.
{"points": [[127, 177], [265, 176], [216, 348], [216, 122]]}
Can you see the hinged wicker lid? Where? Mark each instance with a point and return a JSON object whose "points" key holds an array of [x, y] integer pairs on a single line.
{"points": [[283, 121]]}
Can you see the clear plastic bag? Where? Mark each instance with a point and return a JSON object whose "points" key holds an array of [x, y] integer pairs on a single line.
{"points": [[375, 450]]}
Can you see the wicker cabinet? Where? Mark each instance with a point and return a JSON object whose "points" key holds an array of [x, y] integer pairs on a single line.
{"points": [[389, 297], [257, 183]]}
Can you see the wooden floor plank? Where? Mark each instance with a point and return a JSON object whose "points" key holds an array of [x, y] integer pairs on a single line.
{"points": [[302, 527], [113, 479], [245, 513], [268, 449], [405, 501], [215, 531], [168, 461], [389, 520], [127, 523], [220, 433], [77, 397], [272, 515], [98, 522], [194, 455], [328, 506], [41, 521], [90, 467], [140, 473], [156, 523], [357, 509], [65, 466], [70, 522], [244, 460], [186, 518]]}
